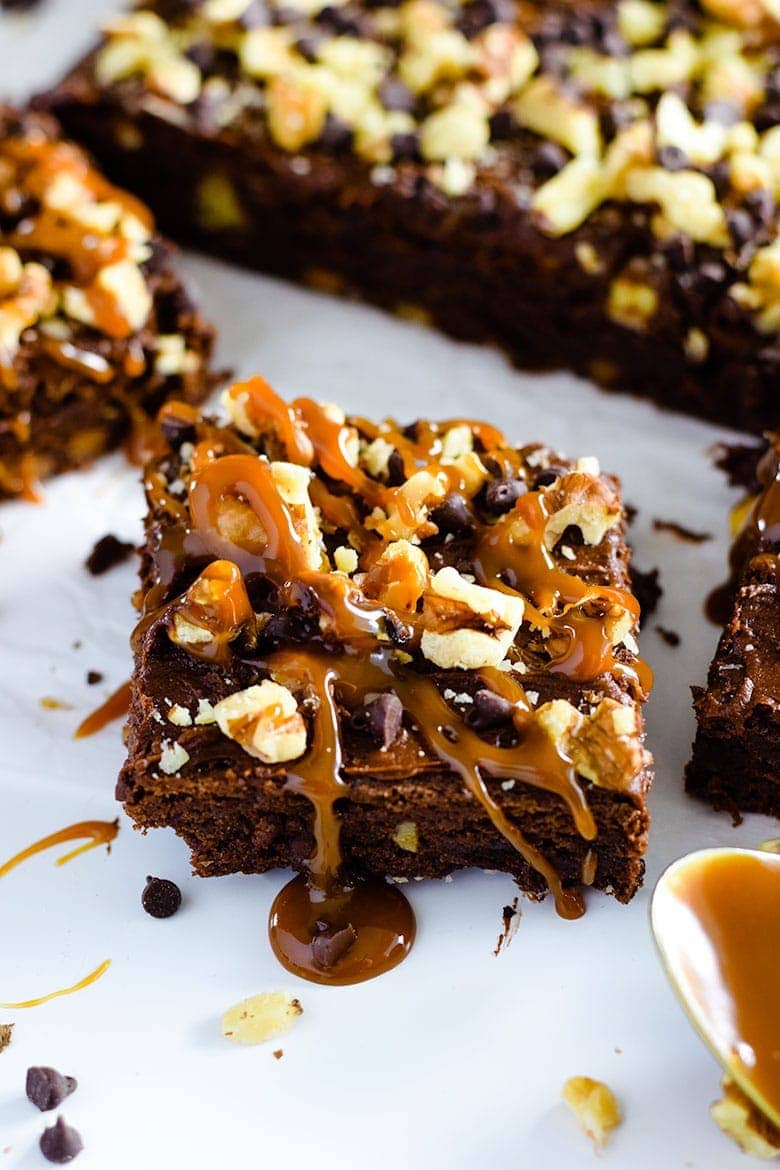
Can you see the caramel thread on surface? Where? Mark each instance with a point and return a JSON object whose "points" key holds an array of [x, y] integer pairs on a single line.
{"points": [[93, 977], [116, 706]]}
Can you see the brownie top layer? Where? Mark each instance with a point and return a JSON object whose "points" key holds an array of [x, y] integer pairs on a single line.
{"points": [[556, 110], [371, 599], [78, 261]]}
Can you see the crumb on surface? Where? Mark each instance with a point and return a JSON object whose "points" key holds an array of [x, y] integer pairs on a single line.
{"points": [[6, 1035], [737, 1117]]}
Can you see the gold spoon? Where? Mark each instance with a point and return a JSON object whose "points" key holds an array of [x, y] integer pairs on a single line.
{"points": [[715, 916]]}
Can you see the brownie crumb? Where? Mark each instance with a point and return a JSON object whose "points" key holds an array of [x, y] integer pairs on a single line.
{"points": [[331, 943], [108, 552], [94, 677], [278, 1054], [671, 637], [6, 1035], [740, 462], [160, 898], [46, 1088], [680, 531], [647, 588], [510, 920], [60, 1143]]}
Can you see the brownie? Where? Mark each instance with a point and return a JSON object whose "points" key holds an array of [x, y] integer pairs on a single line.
{"points": [[400, 651], [96, 327], [589, 185], [736, 754]]}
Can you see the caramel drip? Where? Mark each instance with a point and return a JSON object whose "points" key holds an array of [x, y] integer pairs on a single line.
{"points": [[116, 706], [716, 918], [65, 353], [82, 983], [97, 833]]}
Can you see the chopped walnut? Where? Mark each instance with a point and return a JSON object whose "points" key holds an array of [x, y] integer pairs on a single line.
{"points": [[496, 615], [400, 576], [594, 1105], [261, 1017], [265, 721], [737, 1116]]}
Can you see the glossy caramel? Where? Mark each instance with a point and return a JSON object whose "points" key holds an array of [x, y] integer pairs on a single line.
{"points": [[115, 706], [716, 916]]}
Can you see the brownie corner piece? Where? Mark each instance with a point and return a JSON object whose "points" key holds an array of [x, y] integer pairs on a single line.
{"points": [[736, 754], [97, 328], [594, 189], [400, 651]]}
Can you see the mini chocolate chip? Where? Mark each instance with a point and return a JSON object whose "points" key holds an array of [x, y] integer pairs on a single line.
{"points": [[60, 1143], [331, 943], [502, 125], [500, 495], [741, 225], [488, 710], [548, 159], [341, 21], [721, 111], [399, 633], [711, 275], [679, 252], [108, 552], [454, 514], [47, 1088], [761, 204], [547, 476], [478, 14], [177, 430], [336, 134], [380, 719], [672, 158], [396, 475], [309, 45], [405, 147], [93, 677], [201, 54], [160, 898], [394, 95], [720, 174]]}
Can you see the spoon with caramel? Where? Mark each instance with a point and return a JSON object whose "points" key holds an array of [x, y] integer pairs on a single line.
{"points": [[716, 919]]}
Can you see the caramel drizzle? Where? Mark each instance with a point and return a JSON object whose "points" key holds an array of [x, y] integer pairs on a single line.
{"points": [[97, 833], [364, 664]]}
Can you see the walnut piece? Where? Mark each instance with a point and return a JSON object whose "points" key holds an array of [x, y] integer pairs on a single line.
{"points": [[593, 1104], [261, 1017], [496, 614], [265, 721]]}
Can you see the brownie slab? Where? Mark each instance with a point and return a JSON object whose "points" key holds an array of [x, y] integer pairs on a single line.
{"points": [[736, 754], [96, 327], [589, 185], [392, 651]]}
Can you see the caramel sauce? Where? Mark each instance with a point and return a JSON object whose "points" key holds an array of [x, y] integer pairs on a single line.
{"points": [[116, 706], [237, 519], [87, 981], [716, 916], [96, 833]]}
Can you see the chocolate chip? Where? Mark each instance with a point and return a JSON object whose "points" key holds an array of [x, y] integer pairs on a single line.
{"points": [[502, 125], [711, 275], [548, 475], [548, 159], [394, 95], [108, 552], [454, 514], [47, 1088], [160, 898], [331, 943], [405, 147], [201, 54], [341, 21], [723, 112], [761, 204], [309, 46], [380, 719], [488, 710], [60, 1143], [741, 226], [399, 633], [177, 430], [336, 135], [672, 158], [396, 474], [93, 677], [478, 14], [500, 495], [679, 252]]}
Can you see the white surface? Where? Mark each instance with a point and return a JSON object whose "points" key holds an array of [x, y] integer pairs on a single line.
{"points": [[456, 1059]]}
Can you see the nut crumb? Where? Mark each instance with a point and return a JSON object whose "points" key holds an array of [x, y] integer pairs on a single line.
{"points": [[6, 1035], [593, 1104], [261, 1017]]}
